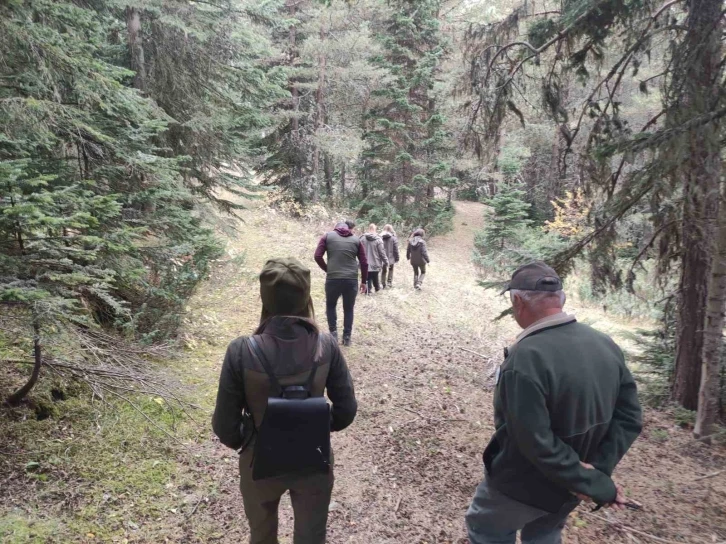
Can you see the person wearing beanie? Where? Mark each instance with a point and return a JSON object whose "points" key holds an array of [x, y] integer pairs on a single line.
{"points": [[292, 345]]}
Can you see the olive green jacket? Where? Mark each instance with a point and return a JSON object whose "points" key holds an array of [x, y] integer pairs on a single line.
{"points": [[563, 395]]}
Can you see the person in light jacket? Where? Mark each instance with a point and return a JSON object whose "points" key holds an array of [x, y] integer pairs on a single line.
{"points": [[376, 256], [390, 243]]}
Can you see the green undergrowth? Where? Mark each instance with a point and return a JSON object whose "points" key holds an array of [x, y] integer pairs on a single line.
{"points": [[80, 469]]}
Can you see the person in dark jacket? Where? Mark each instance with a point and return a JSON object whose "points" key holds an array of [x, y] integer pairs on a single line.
{"points": [[418, 255], [565, 412], [376, 255], [390, 243], [345, 255], [289, 338]]}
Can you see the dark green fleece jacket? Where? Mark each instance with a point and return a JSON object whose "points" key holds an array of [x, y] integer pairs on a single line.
{"points": [[563, 395]]}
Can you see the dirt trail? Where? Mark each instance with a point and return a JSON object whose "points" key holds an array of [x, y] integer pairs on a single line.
{"points": [[422, 365]]}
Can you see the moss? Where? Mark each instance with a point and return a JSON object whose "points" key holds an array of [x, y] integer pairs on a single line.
{"points": [[18, 529]]}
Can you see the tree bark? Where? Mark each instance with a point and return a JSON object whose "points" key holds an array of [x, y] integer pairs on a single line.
{"points": [[136, 47], [708, 395], [292, 37], [319, 113], [328, 169], [696, 88], [342, 181]]}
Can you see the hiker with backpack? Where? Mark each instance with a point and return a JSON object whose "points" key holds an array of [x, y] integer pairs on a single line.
{"points": [[418, 255], [345, 254], [270, 406], [376, 256], [390, 243]]}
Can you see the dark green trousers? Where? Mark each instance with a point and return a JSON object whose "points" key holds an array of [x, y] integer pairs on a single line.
{"points": [[310, 497], [419, 273]]}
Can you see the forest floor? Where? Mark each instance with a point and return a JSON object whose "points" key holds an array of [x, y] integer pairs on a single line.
{"points": [[422, 363]]}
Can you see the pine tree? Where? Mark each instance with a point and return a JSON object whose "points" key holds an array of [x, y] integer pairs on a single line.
{"points": [[407, 158], [509, 214], [498, 244], [668, 165], [204, 64], [95, 218]]}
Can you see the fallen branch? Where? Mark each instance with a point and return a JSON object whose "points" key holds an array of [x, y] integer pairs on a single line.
{"points": [[190, 514], [627, 529], [475, 353], [15, 398], [419, 414], [712, 475], [146, 416]]}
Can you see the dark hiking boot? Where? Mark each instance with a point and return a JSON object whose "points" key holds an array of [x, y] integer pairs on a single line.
{"points": [[346, 340]]}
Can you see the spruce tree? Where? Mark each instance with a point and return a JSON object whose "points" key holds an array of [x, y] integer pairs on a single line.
{"points": [[407, 158], [509, 214], [498, 243], [668, 165]]}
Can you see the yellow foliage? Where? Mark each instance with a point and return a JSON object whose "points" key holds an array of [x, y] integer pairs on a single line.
{"points": [[570, 215]]}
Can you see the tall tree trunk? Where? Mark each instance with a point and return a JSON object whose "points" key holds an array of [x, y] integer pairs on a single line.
{"points": [[708, 395], [319, 113], [342, 181], [136, 47], [292, 38], [328, 169], [696, 88]]}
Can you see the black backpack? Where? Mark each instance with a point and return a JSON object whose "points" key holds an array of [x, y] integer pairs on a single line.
{"points": [[294, 437]]}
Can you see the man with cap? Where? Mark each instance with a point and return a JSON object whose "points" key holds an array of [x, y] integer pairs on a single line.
{"points": [[291, 343], [565, 412], [345, 255]]}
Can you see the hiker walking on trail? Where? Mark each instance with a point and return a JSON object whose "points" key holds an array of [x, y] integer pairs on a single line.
{"points": [[390, 243], [345, 254], [270, 405], [376, 255], [565, 411], [418, 255]]}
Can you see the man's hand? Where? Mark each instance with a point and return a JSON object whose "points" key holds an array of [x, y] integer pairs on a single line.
{"points": [[363, 288], [621, 502], [580, 496]]}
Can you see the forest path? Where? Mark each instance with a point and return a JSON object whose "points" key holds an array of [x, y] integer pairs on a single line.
{"points": [[422, 364]]}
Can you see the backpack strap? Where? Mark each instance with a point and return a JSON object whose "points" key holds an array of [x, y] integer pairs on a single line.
{"points": [[255, 347], [316, 364]]}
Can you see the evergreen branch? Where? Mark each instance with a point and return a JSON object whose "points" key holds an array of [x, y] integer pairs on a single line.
{"points": [[642, 142], [646, 247], [562, 259]]}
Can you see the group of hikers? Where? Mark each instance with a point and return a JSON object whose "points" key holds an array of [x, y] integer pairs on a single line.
{"points": [[566, 408], [376, 256]]}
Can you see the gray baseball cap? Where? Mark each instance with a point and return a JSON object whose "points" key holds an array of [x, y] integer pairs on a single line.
{"points": [[536, 276]]}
